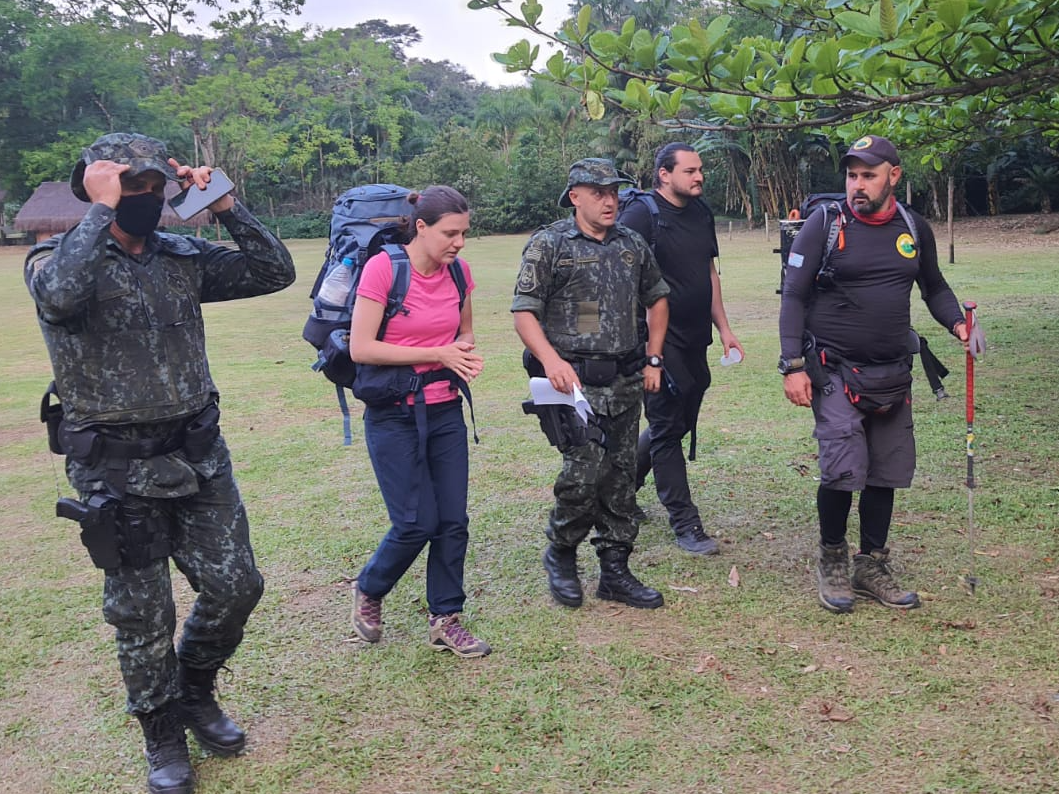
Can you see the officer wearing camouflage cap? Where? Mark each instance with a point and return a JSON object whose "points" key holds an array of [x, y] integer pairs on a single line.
{"points": [[119, 304], [577, 300]]}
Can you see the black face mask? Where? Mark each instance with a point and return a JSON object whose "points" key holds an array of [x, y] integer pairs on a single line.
{"points": [[138, 215]]}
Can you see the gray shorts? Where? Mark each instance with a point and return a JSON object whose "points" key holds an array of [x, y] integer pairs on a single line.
{"points": [[857, 448]]}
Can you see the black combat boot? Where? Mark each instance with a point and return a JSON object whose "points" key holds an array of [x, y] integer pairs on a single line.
{"points": [[214, 730], [166, 748], [616, 582], [560, 562]]}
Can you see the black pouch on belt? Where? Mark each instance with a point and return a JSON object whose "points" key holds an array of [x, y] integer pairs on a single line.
{"points": [[51, 414], [876, 388], [201, 432], [596, 371]]}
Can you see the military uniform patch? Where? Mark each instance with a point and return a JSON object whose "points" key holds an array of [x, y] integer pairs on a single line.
{"points": [[527, 278]]}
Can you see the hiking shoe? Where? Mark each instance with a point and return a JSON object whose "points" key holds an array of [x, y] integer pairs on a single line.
{"points": [[367, 615], [872, 579], [447, 634], [639, 515], [695, 541], [832, 578]]}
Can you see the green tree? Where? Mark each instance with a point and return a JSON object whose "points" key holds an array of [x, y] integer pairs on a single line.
{"points": [[913, 65]]}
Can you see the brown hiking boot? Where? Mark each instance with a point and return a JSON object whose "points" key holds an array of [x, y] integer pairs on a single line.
{"points": [[367, 615], [872, 579], [832, 578]]}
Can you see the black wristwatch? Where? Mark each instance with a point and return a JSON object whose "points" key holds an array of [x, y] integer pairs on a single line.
{"points": [[789, 365], [654, 361]]}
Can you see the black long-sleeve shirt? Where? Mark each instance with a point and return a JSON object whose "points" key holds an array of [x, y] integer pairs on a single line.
{"points": [[866, 315]]}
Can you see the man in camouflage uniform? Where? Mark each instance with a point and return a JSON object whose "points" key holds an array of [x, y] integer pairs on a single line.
{"points": [[120, 308], [577, 300]]}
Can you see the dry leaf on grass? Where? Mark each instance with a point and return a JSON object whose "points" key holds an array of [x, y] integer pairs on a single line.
{"points": [[733, 577], [833, 713]]}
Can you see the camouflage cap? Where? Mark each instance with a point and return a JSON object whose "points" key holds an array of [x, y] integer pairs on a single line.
{"points": [[592, 171], [140, 152]]}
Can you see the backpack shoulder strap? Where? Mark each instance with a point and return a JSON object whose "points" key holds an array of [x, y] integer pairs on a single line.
{"points": [[648, 198], [835, 220], [402, 279], [456, 271], [911, 224]]}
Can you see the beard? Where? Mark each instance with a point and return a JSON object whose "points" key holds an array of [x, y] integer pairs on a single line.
{"points": [[870, 207]]}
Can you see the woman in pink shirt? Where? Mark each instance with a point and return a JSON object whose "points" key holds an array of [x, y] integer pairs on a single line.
{"points": [[420, 453]]}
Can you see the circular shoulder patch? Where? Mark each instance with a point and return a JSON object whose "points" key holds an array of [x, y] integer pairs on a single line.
{"points": [[863, 143], [628, 257], [906, 246]]}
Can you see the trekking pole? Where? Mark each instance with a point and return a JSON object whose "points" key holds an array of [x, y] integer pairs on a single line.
{"points": [[970, 581]]}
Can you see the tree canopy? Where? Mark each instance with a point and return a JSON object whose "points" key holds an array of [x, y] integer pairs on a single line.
{"points": [[923, 71]]}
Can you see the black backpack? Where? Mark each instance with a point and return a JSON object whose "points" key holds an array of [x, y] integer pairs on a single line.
{"points": [[364, 221], [647, 198]]}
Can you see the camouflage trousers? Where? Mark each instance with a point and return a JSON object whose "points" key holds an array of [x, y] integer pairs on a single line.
{"points": [[596, 487], [210, 545]]}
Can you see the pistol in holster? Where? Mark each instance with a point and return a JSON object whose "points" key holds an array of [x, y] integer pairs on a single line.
{"points": [[98, 517], [563, 427]]}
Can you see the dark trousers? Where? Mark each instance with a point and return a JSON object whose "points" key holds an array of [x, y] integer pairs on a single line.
{"points": [[670, 418], [211, 547], [425, 498]]}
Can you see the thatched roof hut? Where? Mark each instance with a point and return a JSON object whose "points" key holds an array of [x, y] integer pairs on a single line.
{"points": [[53, 208]]}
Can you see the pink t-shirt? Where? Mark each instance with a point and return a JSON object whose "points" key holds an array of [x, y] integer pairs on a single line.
{"points": [[431, 315]]}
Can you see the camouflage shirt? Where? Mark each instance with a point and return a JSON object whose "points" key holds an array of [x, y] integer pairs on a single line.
{"points": [[586, 293], [125, 333]]}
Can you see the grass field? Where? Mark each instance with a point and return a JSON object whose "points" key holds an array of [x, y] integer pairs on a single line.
{"points": [[730, 688]]}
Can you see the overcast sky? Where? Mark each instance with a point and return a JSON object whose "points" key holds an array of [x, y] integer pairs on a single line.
{"points": [[450, 31]]}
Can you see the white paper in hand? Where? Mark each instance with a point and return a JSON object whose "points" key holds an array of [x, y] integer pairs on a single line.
{"points": [[543, 393]]}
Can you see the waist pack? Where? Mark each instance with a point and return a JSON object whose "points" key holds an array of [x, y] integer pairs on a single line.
{"points": [[876, 388], [378, 384]]}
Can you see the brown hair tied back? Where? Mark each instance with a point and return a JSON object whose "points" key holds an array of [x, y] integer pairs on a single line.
{"points": [[431, 204], [666, 157]]}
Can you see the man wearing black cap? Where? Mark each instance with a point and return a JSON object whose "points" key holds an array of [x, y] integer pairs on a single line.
{"points": [[120, 308], [577, 299], [846, 352]]}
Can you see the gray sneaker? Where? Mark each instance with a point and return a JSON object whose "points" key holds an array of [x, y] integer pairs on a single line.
{"points": [[446, 634], [367, 615], [695, 541], [832, 578], [872, 579]]}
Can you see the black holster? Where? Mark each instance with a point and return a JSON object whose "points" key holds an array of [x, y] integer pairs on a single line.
{"points": [[563, 427], [98, 517]]}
